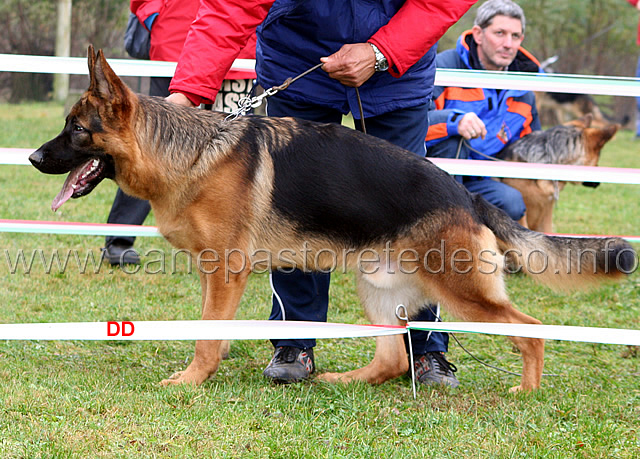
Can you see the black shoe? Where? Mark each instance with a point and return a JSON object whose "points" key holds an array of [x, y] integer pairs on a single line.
{"points": [[432, 368], [120, 254], [290, 364]]}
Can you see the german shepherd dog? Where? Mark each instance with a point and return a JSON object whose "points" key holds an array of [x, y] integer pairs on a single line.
{"points": [[319, 193], [575, 143], [558, 108]]}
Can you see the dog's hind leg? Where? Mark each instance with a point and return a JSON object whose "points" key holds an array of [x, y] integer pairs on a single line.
{"points": [[221, 297], [380, 302], [480, 297]]}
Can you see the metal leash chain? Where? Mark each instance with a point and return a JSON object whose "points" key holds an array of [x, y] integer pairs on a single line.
{"points": [[246, 103]]}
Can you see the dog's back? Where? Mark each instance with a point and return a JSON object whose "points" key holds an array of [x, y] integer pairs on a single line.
{"points": [[557, 145]]}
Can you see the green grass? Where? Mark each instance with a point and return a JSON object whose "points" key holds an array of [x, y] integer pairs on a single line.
{"points": [[88, 399]]}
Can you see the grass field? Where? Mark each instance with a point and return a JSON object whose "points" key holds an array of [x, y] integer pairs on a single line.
{"points": [[102, 399]]}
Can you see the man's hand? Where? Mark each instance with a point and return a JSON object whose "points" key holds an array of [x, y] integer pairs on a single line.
{"points": [[470, 127], [180, 99], [352, 65]]}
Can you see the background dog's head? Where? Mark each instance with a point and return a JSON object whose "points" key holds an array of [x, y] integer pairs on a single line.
{"points": [[576, 142], [85, 147], [594, 139]]}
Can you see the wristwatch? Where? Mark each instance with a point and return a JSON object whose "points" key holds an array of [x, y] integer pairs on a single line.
{"points": [[381, 62]]}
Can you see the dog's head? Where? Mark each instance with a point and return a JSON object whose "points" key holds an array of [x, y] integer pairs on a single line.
{"points": [[594, 137], [87, 145]]}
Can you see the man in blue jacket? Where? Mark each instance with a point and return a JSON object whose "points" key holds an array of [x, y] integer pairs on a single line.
{"points": [[476, 123]]}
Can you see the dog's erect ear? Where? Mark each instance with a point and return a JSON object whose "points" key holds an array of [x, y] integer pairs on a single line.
{"points": [[597, 137], [583, 122], [91, 62], [91, 58], [587, 120], [104, 83]]}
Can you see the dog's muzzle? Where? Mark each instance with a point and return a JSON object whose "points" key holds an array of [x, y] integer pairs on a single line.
{"points": [[36, 158]]}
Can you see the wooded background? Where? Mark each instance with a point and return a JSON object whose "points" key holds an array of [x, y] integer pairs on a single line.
{"points": [[589, 37]]}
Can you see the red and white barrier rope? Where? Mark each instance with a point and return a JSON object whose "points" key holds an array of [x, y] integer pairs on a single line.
{"points": [[190, 330], [554, 82], [19, 156], [109, 229]]}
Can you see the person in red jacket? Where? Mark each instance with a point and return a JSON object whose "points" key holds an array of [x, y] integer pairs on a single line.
{"points": [[636, 3], [385, 48], [169, 22]]}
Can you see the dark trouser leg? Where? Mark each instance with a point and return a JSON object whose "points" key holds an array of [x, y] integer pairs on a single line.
{"points": [[500, 195], [423, 342], [127, 210], [407, 128], [299, 295]]}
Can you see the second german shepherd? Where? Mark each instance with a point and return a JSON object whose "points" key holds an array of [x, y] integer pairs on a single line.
{"points": [[576, 143], [312, 196]]}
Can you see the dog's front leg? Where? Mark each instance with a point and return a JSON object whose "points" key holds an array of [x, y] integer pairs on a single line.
{"points": [[380, 295], [389, 361], [221, 293]]}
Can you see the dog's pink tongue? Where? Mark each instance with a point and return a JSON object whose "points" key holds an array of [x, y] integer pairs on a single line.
{"points": [[67, 189]]}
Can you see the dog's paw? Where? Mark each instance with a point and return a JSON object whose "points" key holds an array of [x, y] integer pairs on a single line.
{"points": [[173, 379], [331, 377], [184, 377], [519, 388]]}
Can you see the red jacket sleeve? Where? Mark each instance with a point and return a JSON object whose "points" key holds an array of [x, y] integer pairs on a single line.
{"points": [[635, 3], [220, 31], [415, 28], [145, 8]]}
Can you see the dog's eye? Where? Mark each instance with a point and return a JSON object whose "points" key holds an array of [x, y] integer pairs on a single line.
{"points": [[77, 128]]}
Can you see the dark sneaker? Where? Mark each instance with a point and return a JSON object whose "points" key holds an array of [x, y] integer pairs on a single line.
{"points": [[433, 368], [290, 364], [119, 254]]}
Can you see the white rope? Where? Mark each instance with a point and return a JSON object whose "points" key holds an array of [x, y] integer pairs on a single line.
{"points": [[554, 332], [19, 156], [189, 330], [78, 65], [554, 82]]}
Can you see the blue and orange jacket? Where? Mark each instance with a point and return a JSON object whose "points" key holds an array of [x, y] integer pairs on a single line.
{"points": [[507, 114]]}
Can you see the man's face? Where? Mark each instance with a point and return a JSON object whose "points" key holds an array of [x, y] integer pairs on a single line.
{"points": [[498, 43]]}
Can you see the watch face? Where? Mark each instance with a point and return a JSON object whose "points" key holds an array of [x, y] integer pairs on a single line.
{"points": [[381, 61], [382, 65]]}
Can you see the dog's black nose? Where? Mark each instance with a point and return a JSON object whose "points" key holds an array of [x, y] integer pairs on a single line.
{"points": [[591, 184], [36, 158]]}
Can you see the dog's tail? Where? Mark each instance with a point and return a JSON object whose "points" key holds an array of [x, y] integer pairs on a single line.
{"points": [[562, 263]]}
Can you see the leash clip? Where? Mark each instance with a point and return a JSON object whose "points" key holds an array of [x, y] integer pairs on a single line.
{"points": [[246, 103]]}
